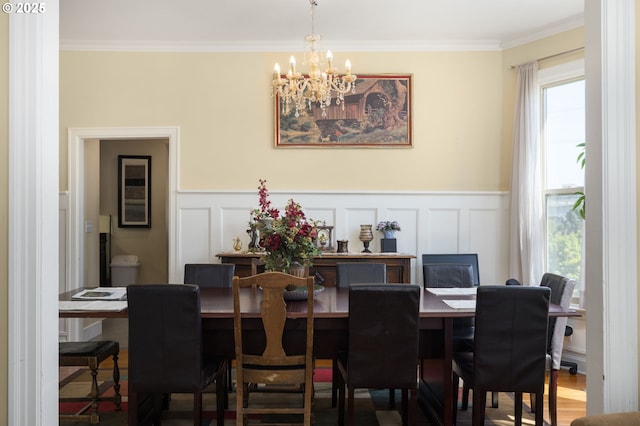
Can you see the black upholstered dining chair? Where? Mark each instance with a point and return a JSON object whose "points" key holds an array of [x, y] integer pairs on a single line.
{"points": [[212, 275], [447, 275], [438, 277], [348, 273], [383, 348], [510, 348], [459, 258], [452, 275], [165, 351], [561, 293], [209, 274]]}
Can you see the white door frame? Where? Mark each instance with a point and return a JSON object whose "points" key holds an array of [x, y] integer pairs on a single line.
{"points": [[76, 143]]}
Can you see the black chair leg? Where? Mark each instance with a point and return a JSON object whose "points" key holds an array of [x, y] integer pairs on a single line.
{"points": [[479, 406], [455, 387], [539, 410], [517, 401], [494, 399], [334, 383], [465, 397], [222, 398], [351, 411], [405, 406], [553, 397], [341, 392], [197, 409]]}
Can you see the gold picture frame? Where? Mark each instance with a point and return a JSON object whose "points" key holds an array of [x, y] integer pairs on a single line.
{"points": [[377, 114]]}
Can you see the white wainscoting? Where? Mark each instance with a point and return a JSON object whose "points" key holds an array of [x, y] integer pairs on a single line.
{"points": [[432, 222], [574, 349], [68, 329], [63, 237]]}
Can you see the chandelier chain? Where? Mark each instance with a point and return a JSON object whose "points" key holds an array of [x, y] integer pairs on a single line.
{"points": [[314, 4]]}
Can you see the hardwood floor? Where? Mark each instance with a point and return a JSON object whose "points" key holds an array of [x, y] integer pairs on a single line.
{"points": [[572, 396]]}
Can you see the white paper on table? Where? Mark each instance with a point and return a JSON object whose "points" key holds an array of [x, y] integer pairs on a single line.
{"points": [[461, 304], [101, 293], [453, 291], [92, 305]]}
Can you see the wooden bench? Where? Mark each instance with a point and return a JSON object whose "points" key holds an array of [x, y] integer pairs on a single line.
{"points": [[90, 354]]}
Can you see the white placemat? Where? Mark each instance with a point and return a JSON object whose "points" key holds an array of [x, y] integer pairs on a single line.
{"points": [[92, 305], [453, 291], [461, 304]]}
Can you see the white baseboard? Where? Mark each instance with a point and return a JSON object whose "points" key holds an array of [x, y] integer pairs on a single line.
{"points": [[578, 358], [92, 331]]}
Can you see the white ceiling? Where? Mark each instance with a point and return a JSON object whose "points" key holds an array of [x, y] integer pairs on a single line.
{"points": [[280, 25]]}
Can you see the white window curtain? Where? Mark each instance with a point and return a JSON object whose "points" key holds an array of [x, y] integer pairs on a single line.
{"points": [[526, 256]]}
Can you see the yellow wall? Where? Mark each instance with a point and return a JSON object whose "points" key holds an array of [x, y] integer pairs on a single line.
{"points": [[462, 116], [226, 126], [4, 203]]}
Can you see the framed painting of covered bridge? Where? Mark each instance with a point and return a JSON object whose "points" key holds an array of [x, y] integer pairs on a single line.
{"points": [[376, 114]]}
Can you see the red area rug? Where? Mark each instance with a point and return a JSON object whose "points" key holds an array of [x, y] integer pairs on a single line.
{"points": [[371, 405]]}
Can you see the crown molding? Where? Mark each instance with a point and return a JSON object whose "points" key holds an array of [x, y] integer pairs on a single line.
{"points": [[277, 46], [551, 30]]}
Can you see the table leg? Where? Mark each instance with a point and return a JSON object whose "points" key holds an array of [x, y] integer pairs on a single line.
{"points": [[447, 372], [436, 384]]}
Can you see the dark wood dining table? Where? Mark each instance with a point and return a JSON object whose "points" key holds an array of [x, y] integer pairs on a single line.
{"points": [[331, 314]]}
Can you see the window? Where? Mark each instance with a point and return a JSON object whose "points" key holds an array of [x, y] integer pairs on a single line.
{"points": [[563, 132]]}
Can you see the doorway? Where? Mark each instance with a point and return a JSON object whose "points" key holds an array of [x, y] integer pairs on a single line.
{"points": [[81, 139]]}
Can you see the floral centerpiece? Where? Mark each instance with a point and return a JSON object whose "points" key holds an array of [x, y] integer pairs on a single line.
{"points": [[388, 228], [289, 238]]}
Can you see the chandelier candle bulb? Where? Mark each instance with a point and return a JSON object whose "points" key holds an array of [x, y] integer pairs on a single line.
{"points": [[292, 62]]}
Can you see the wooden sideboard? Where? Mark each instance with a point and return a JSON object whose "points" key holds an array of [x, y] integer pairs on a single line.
{"points": [[398, 264]]}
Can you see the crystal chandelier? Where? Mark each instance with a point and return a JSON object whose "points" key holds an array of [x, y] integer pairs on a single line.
{"points": [[300, 91]]}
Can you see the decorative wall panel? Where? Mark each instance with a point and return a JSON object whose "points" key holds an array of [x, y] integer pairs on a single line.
{"points": [[431, 223]]}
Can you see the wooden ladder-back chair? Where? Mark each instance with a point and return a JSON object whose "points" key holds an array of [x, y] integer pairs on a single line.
{"points": [[208, 275], [271, 365]]}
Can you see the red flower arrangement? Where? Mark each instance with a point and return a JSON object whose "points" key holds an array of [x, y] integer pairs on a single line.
{"points": [[287, 239]]}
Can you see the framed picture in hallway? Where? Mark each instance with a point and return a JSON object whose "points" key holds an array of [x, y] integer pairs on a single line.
{"points": [[134, 191], [376, 113]]}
